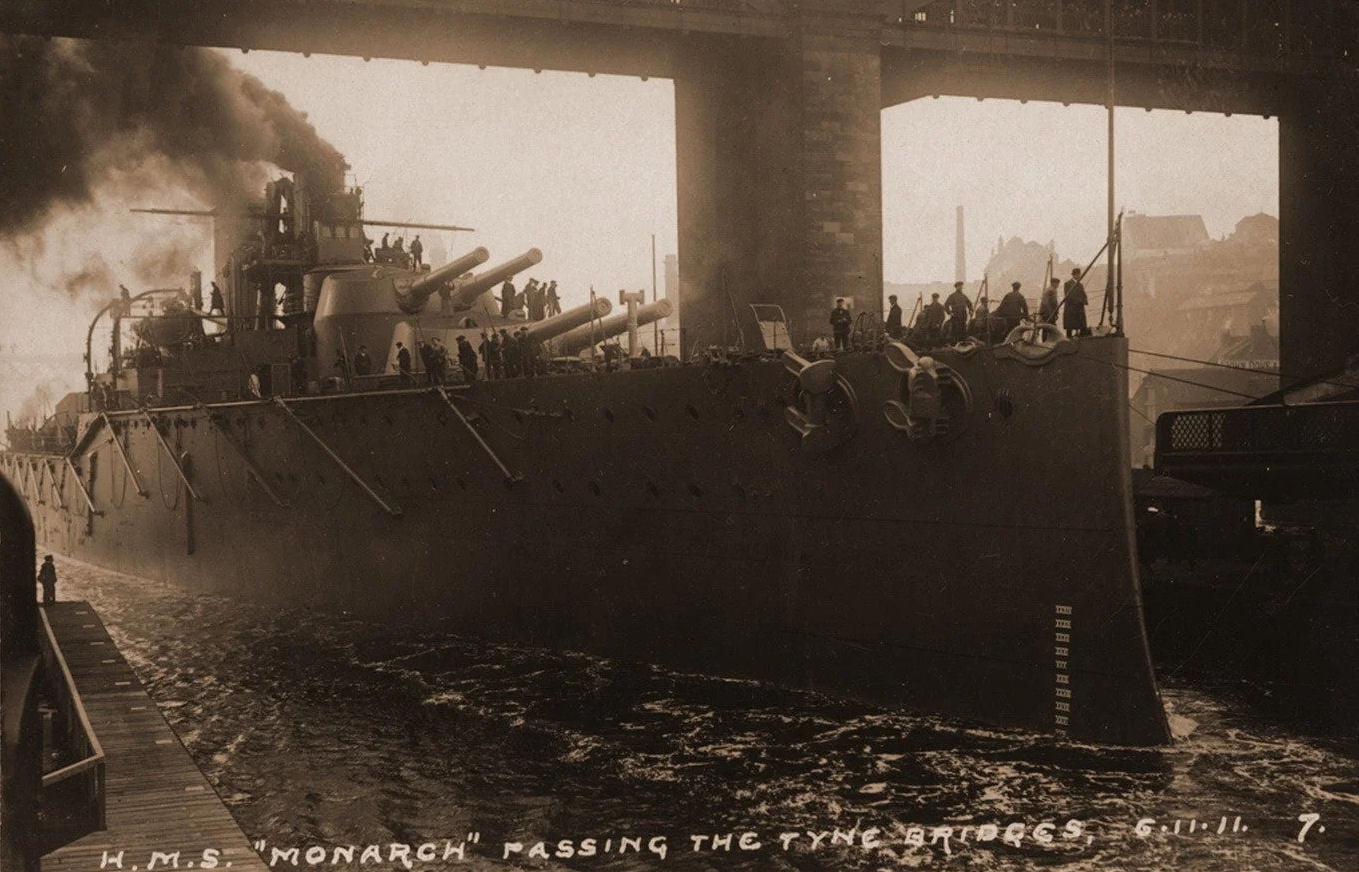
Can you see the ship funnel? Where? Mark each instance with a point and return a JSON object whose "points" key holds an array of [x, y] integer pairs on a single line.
{"points": [[466, 293], [413, 298], [573, 341], [541, 331]]}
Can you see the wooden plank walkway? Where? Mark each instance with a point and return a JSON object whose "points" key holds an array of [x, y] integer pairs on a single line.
{"points": [[158, 800]]}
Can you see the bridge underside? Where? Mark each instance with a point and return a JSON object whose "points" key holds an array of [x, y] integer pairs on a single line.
{"points": [[777, 116]]}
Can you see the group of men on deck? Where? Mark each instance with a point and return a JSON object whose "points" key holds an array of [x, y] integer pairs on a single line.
{"points": [[957, 317], [395, 250], [537, 301], [510, 355]]}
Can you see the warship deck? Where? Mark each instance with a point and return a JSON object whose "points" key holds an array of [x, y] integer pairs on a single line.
{"points": [[158, 800]]}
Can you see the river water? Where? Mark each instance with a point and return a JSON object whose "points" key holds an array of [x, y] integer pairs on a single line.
{"points": [[322, 731]]}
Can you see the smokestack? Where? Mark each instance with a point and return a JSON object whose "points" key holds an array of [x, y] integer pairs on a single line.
{"points": [[960, 254]]}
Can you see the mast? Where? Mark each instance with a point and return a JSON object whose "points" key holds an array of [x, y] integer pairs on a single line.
{"points": [[1109, 269]]}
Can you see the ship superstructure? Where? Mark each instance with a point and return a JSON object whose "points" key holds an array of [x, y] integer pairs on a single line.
{"points": [[768, 515]]}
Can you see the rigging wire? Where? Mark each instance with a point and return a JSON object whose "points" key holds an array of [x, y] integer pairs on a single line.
{"points": [[1186, 381], [1294, 378]]}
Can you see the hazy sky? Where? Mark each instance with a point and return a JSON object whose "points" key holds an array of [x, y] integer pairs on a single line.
{"points": [[584, 168]]}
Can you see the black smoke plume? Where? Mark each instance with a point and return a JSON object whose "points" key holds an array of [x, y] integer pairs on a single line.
{"points": [[76, 116]]}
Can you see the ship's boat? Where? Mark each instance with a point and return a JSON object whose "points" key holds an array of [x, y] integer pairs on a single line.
{"points": [[958, 541]]}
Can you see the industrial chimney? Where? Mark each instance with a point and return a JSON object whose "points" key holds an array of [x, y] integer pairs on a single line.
{"points": [[960, 255]]}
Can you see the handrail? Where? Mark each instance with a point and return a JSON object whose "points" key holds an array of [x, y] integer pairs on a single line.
{"points": [[20, 665], [96, 755]]}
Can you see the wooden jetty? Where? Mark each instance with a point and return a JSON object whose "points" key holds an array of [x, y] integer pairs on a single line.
{"points": [[158, 802]]}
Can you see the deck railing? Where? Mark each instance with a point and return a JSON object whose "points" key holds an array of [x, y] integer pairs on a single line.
{"points": [[73, 796]]}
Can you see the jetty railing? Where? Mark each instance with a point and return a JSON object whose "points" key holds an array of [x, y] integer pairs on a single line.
{"points": [[20, 665], [73, 797]]}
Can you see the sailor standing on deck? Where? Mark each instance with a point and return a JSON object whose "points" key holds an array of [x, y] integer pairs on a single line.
{"points": [[507, 298], [47, 577], [403, 364], [468, 358], [893, 327], [552, 303], [959, 307], [1013, 307], [932, 320], [363, 364], [841, 321], [1073, 319], [417, 252]]}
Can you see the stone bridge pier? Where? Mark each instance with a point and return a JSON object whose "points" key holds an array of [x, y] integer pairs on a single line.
{"points": [[780, 179]]}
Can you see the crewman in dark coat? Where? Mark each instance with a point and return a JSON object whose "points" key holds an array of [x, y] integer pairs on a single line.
{"points": [[363, 364], [508, 294], [47, 577], [932, 320], [535, 300], [509, 347], [552, 304], [417, 252], [467, 356], [1013, 307], [1073, 319], [959, 307], [403, 364], [427, 360], [893, 318], [841, 321]]}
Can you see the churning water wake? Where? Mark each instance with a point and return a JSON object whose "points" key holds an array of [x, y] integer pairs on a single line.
{"points": [[322, 731]]}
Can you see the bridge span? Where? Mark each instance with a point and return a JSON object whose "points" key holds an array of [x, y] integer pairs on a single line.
{"points": [[778, 109]]}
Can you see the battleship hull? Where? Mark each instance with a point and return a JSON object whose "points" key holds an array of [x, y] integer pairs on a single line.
{"points": [[676, 516]]}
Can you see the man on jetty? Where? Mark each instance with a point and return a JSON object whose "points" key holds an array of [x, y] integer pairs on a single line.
{"points": [[47, 577]]}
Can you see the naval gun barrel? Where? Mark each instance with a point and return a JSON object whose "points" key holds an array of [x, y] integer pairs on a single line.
{"points": [[541, 331], [413, 298], [466, 293], [572, 341]]}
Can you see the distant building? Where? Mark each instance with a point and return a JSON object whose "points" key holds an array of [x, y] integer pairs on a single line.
{"points": [[1151, 236]]}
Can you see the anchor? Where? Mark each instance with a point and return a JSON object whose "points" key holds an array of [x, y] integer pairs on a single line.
{"points": [[825, 418], [954, 394]]}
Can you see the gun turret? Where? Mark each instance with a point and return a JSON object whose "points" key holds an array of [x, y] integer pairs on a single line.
{"points": [[466, 293], [572, 341], [412, 299], [541, 331]]}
